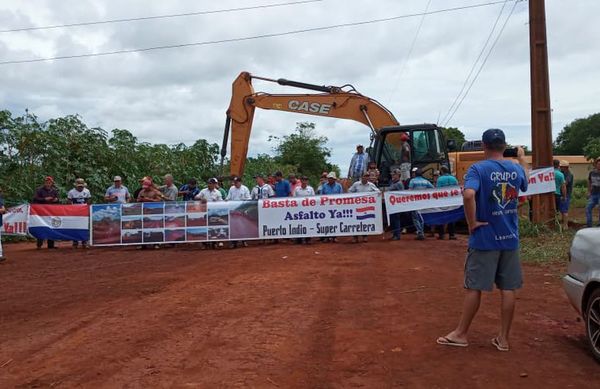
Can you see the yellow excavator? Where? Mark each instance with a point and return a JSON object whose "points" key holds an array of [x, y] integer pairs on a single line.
{"points": [[427, 145]]}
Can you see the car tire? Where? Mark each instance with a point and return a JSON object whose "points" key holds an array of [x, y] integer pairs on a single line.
{"points": [[592, 323]]}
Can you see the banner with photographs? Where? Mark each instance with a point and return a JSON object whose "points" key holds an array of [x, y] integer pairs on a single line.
{"points": [[320, 216], [173, 222]]}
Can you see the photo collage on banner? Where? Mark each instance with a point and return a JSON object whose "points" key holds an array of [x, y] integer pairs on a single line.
{"points": [[173, 222]]}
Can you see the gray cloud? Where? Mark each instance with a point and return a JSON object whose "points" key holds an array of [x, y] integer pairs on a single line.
{"points": [[181, 95]]}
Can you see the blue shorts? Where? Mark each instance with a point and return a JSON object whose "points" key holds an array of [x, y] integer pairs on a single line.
{"points": [[564, 205]]}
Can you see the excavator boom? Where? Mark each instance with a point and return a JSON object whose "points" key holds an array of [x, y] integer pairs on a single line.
{"points": [[335, 102]]}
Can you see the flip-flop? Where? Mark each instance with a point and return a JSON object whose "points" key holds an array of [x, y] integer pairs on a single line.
{"points": [[444, 341], [498, 346]]}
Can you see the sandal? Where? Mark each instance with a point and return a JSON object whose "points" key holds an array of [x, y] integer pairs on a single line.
{"points": [[496, 343], [444, 341]]}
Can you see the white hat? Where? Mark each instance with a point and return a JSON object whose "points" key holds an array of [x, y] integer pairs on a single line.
{"points": [[331, 175]]}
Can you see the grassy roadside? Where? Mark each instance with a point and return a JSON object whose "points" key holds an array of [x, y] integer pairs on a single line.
{"points": [[543, 245]]}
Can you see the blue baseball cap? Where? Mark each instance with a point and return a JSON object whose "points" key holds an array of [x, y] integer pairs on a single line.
{"points": [[493, 135]]}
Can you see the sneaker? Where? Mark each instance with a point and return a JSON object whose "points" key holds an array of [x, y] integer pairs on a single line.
{"points": [[420, 237], [395, 238]]}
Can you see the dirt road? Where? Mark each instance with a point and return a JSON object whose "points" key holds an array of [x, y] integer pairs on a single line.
{"points": [[275, 316]]}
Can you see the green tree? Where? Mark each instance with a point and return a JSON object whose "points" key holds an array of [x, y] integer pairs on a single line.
{"points": [[592, 149], [305, 150], [577, 134], [66, 148], [456, 134]]}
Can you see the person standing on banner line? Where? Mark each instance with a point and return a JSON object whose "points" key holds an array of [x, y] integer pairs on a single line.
{"points": [[190, 190], [395, 218], [373, 173], [221, 189], [2, 212], [261, 190], [80, 195], [446, 179], [211, 193], [490, 199], [295, 183], [593, 193], [566, 203], [149, 193], [363, 186], [331, 186], [282, 186], [358, 164], [117, 193], [169, 190], [560, 193], [238, 192], [46, 194], [418, 182], [322, 181], [304, 190]]}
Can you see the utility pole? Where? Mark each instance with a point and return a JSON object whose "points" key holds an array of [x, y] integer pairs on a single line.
{"points": [[541, 115]]}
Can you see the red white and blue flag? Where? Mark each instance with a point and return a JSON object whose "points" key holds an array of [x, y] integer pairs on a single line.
{"points": [[59, 222]]}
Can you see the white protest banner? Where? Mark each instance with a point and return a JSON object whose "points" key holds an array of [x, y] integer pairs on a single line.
{"points": [[414, 200], [14, 222], [540, 181], [320, 216]]}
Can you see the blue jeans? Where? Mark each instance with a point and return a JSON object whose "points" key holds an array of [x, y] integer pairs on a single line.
{"points": [[592, 202], [418, 222], [396, 225]]}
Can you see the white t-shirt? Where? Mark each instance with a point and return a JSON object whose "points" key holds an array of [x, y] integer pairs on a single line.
{"points": [[304, 192], [237, 194], [78, 197], [359, 187], [262, 192], [209, 195]]}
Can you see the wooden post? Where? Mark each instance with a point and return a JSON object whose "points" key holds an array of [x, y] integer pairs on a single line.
{"points": [[541, 114]]}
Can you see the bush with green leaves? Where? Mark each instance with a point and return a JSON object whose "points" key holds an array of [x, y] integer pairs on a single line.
{"points": [[66, 148]]}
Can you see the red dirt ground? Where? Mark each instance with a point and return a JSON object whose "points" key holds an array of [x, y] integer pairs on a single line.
{"points": [[276, 316]]}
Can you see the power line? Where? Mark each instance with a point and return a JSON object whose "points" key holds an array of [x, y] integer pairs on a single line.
{"points": [[485, 45], [248, 38], [484, 61], [109, 21], [410, 50]]}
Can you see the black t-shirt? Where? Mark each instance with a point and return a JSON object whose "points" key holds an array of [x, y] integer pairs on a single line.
{"points": [[594, 179]]}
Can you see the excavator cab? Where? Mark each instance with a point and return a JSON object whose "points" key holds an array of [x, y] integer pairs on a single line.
{"points": [[422, 145]]}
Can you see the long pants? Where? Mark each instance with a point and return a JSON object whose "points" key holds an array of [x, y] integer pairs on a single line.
{"points": [[40, 243], [592, 202], [418, 222], [451, 229], [0, 245], [396, 224]]}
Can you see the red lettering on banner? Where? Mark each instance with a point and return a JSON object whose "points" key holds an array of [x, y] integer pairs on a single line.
{"points": [[283, 203], [324, 200]]}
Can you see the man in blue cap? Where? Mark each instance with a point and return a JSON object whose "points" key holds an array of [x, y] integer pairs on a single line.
{"points": [[490, 199]]}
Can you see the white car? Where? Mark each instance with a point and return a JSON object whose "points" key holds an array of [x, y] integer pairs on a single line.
{"points": [[582, 283]]}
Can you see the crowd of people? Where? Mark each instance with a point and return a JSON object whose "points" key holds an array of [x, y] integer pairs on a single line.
{"points": [[363, 177]]}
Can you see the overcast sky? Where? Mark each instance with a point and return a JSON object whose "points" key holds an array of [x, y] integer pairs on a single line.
{"points": [[180, 95]]}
